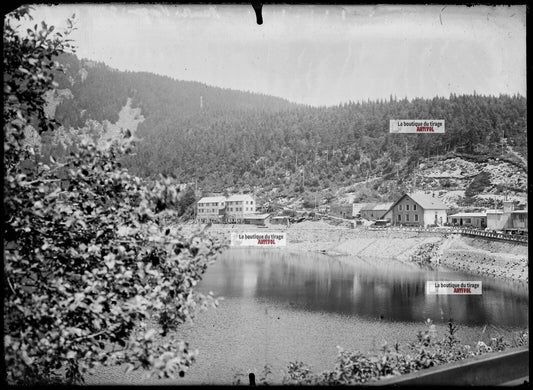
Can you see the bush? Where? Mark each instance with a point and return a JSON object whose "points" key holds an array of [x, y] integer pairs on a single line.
{"points": [[427, 351]]}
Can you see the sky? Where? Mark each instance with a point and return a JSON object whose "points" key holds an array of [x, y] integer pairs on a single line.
{"points": [[311, 54]]}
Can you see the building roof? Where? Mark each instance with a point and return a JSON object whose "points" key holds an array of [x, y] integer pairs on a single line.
{"points": [[376, 206], [512, 212], [367, 206], [468, 215], [239, 197], [426, 201], [212, 199]]}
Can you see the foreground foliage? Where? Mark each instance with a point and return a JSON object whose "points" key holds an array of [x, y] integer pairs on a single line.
{"points": [[354, 367], [92, 273], [429, 350]]}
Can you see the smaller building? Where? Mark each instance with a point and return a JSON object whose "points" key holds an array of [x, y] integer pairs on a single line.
{"points": [[256, 219], [475, 220], [342, 210], [508, 219], [280, 220], [375, 211], [517, 222]]}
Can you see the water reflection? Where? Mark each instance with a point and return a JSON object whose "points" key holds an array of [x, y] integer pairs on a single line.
{"points": [[368, 288]]}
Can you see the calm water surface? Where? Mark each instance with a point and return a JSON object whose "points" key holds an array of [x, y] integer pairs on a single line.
{"points": [[367, 288], [282, 306]]}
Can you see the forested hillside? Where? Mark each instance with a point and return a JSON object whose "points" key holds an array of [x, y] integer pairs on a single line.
{"points": [[100, 92], [236, 140]]}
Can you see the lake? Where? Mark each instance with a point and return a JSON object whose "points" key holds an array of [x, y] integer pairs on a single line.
{"points": [[281, 306]]}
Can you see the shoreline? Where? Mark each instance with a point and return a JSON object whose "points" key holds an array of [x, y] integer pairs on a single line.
{"points": [[478, 256]]}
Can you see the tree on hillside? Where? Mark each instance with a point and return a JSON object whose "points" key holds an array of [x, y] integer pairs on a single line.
{"points": [[92, 275], [186, 201], [478, 184]]}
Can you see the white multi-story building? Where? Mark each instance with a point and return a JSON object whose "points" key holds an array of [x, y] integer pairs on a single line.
{"points": [[233, 209], [238, 206], [211, 209]]}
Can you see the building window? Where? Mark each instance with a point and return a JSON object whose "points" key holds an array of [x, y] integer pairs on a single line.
{"points": [[399, 217], [400, 207], [416, 217], [414, 206], [407, 217], [468, 220], [407, 208]]}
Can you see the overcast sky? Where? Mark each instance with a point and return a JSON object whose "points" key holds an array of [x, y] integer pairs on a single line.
{"points": [[312, 54]]}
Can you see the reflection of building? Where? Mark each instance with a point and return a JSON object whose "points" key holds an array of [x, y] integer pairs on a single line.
{"points": [[211, 209], [477, 220], [418, 209], [507, 219]]}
